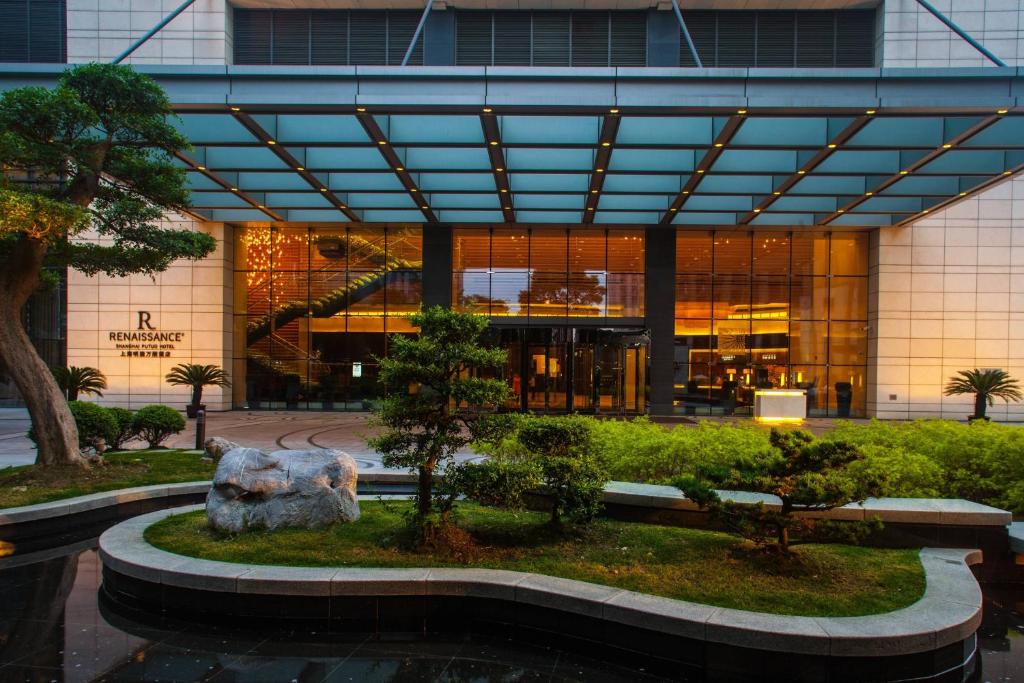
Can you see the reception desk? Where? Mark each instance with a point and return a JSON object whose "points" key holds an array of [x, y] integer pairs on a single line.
{"points": [[780, 405]]}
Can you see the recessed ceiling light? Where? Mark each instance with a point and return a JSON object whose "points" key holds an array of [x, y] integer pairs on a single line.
{"points": [[700, 170], [323, 189], [260, 206], [590, 208], [382, 142], [831, 145], [271, 142], [499, 169], [300, 168], [234, 189], [606, 144], [1002, 111], [235, 109], [487, 110], [963, 194], [424, 207], [870, 112], [508, 208], [686, 192], [201, 168], [413, 189], [925, 211], [494, 142], [718, 144], [613, 111], [599, 170], [904, 172], [360, 109], [801, 172], [777, 194], [757, 210], [841, 210], [946, 146], [741, 112], [593, 192], [1007, 172], [868, 194], [504, 190], [399, 168]]}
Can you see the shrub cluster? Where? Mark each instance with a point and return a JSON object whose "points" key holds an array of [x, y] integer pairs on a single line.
{"points": [[550, 456], [118, 426], [980, 461]]}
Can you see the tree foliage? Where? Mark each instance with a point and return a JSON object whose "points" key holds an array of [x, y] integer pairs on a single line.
{"points": [[197, 376], [803, 473], [156, 423], [95, 152], [986, 386], [74, 380], [437, 402]]}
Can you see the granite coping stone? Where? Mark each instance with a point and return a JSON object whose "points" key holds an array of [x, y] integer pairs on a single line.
{"points": [[949, 611], [935, 511]]}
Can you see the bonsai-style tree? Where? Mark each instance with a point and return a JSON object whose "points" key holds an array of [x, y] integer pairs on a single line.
{"points": [[197, 376], [986, 385], [436, 403], [92, 152], [74, 381], [806, 475]]}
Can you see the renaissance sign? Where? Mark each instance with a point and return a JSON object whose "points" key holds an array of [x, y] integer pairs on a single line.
{"points": [[146, 341]]}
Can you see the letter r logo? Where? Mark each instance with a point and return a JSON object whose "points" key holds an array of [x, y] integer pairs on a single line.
{"points": [[144, 320]]}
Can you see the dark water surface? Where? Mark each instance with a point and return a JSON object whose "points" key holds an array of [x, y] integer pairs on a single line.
{"points": [[54, 626]]}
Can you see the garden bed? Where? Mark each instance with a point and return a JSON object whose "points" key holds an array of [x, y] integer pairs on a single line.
{"points": [[694, 565], [29, 485]]}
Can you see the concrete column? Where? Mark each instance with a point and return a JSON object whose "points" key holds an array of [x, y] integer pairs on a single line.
{"points": [[439, 38], [662, 38], [659, 310], [437, 265]]}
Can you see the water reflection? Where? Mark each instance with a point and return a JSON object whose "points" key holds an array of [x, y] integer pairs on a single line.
{"points": [[54, 628], [1001, 635]]}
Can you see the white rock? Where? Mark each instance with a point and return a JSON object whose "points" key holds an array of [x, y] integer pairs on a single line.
{"points": [[306, 489]]}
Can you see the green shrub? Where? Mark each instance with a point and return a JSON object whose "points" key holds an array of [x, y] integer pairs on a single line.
{"points": [[156, 422], [125, 427], [496, 483], [571, 473], [94, 422]]}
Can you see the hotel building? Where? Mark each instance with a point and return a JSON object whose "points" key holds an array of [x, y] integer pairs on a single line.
{"points": [[662, 208]]}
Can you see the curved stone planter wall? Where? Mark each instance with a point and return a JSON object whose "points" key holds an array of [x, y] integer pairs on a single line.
{"points": [[931, 637]]}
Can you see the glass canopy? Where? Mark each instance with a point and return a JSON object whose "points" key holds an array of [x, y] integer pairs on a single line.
{"points": [[593, 167]]}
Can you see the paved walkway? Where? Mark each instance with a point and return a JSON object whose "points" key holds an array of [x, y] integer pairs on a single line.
{"points": [[275, 430]]}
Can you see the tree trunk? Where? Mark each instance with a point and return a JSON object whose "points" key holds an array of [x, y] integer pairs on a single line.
{"points": [[54, 427], [783, 538], [197, 395], [426, 483], [980, 405]]}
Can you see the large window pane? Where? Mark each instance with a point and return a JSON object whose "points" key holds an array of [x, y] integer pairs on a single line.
{"points": [[810, 254], [626, 251], [626, 295], [587, 294], [471, 250], [693, 296], [548, 250], [693, 252], [587, 251], [847, 397], [809, 298], [732, 252], [847, 344], [771, 253], [848, 298], [849, 254], [731, 295], [807, 342]]}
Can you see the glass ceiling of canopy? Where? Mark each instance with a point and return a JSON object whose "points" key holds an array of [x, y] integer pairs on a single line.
{"points": [[598, 168]]}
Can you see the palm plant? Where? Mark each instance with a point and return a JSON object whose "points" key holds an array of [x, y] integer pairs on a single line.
{"points": [[74, 381], [197, 376], [986, 385]]}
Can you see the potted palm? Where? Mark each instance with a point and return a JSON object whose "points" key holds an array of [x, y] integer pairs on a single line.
{"points": [[74, 381], [986, 385], [197, 376]]}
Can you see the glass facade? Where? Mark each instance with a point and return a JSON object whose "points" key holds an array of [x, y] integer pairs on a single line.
{"points": [[770, 310], [549, 273], [313, 306]]}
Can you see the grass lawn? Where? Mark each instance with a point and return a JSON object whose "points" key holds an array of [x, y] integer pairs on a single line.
{"points": [[701, 566], [30, 484]]}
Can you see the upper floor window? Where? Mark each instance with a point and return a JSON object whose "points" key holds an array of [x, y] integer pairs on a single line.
{"points": [[33, 31]]}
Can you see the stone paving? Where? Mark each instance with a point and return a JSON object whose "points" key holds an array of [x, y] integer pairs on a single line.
{"points": [[278, 429]]}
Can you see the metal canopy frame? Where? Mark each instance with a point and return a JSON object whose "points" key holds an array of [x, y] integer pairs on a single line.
{"points": [[797, 148]]}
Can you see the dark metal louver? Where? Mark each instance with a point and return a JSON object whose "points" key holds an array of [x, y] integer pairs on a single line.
{"points": [[401, 29], [33, 31], [512, 38], [551, 39], [473, 40], [590, 38], [855, 38], [776, 39], [291, 37], [704, 33], [815, 36], [368, 38], [329, 37], [628, 39], [253, 36], [736, 38]]}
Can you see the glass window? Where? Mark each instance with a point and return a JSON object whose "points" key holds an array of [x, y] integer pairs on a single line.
{"points": [[848, 298], [732, 252], [548, 250], [807, 342], [471, 250], [626, 251], [587, 251], [809, 298], [693, 252], [849, 254], [693, 296], [847, 344], [771, 253], [810, 254], [313, 307]]}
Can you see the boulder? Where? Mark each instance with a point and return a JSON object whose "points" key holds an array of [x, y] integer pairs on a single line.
{"points": [[217, 446], [257, 490]]}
